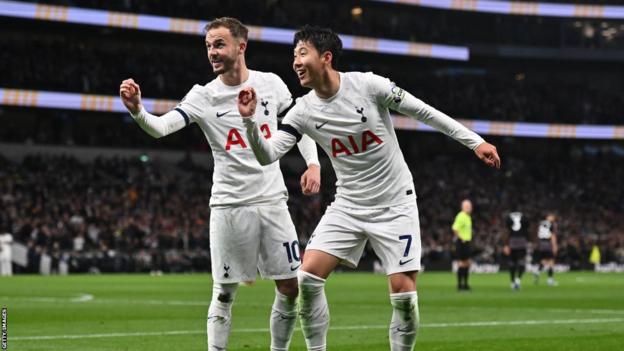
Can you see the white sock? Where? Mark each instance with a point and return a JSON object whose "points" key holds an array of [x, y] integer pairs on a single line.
{"points": [[404, 324], [283, 319], [220, 315], [313, 310]]}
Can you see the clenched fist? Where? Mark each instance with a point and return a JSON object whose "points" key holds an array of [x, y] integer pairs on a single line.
{"points": [[247, 101], [130, 94]]}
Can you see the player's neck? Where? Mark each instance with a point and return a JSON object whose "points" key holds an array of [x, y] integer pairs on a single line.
{"points": [[235, 76], [329, 85]]}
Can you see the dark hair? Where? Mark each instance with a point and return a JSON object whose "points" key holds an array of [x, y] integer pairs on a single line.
{"points": [[237, 29], [323, 39]]}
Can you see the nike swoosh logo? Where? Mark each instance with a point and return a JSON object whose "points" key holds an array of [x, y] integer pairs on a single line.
{"points": [[319, 126], [223, 114], [401, 262], [292, 269]]}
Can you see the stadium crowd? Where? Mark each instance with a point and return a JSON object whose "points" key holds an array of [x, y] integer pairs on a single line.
{"points": [[117, 214], [169, 68], [380, 19]]}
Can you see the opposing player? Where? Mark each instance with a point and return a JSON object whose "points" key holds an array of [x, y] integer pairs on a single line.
{"points": [[250, 227], [347, 115], [516, 242], [462, 231], [546, 248]]}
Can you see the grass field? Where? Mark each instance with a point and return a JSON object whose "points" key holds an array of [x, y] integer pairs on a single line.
{"points": [[137, 312]]}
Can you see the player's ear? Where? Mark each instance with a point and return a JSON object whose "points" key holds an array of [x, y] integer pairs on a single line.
{"points": [[242, 46], [327, 58]]}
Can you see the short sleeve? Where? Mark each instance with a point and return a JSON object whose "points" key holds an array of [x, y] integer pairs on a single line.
{"points": [[192, 105], [457, 224], [383, 90]]}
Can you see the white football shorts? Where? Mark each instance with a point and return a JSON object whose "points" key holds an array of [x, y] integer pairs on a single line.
{"points": [[248, 239], [393, 232]]}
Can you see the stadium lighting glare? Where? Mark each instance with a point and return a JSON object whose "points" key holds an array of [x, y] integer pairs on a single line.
{"points": [[523, 8], [109, 103], [126, 20]]}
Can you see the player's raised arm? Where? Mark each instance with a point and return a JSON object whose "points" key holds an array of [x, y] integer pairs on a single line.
{"points": [[416, 108], [266, 151], [402, 101], [172, 121]]}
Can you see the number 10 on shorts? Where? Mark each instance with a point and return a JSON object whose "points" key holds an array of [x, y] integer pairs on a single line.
{"points": [[292, 250]]}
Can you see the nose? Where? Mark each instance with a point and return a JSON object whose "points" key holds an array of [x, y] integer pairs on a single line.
{"points": [[212, 52], [296, 63]]}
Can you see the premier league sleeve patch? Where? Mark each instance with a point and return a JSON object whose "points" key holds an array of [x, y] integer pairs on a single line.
{"points": [[396, 95]]}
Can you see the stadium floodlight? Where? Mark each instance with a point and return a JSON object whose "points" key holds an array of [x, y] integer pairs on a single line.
{"points": [[109, 103], [195, 27], [521, 8]]}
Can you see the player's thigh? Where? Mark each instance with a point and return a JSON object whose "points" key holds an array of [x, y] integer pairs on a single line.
{"points": [[279, 255], [340, 234], [395, 238], [234, 243]]}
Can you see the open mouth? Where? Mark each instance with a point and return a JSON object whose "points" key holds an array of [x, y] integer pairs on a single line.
{"points": [[301, 73]]}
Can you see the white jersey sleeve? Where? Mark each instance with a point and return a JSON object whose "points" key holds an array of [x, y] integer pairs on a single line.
{"points": [[295, 120], [193, 105], [306, 146], [185, 113], [393, 97], [268, 151]]}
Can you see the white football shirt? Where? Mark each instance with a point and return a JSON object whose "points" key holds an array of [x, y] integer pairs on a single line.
{"points": [[238, 178], [355, 129]]}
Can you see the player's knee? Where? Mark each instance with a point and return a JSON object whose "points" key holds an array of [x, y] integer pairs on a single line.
{"points": [[288, 287], [309, 284], [403, 282], [224, 293]]}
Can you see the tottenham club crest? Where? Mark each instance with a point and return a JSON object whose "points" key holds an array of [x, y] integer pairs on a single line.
{"points": [[264, 104]]}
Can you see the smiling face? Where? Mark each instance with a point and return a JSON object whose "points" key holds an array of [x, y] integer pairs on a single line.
{"points": [[224, 50], [309, 64]]}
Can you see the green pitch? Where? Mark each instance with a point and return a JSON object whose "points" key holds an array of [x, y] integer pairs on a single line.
{"points": [[137, 312]]}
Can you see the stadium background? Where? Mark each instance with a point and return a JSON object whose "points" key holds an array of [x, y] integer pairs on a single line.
{"points": [[84, 189], [87, 189]]}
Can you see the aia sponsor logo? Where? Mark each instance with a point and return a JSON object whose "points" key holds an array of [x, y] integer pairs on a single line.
{"points": [[235, 138], [353, 146]]}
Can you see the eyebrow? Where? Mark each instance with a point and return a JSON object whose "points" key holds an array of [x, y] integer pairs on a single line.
{"points": [[216, 41]]}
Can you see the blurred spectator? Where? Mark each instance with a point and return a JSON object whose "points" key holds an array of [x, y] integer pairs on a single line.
{"points": [[120, 215]]}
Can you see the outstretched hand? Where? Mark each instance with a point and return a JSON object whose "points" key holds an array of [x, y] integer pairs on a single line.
{"points": [[487, 153], [247, 101], [130, 94]]}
